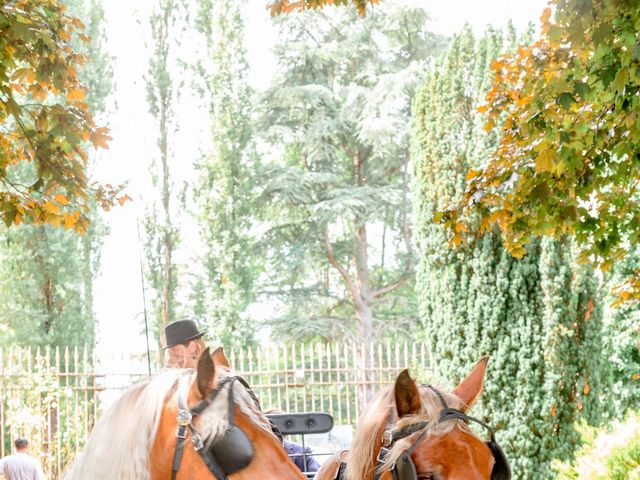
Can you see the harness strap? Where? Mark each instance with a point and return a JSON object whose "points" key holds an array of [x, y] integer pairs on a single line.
{"points": [[184, 420], [341, 471], [177, 454]]}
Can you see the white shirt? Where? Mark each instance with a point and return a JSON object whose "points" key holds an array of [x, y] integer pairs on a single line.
{"points": [[21, 466]]}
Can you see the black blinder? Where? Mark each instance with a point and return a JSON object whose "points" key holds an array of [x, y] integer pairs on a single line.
{"points": [[405, 468], [234, 451], [501, 469]]}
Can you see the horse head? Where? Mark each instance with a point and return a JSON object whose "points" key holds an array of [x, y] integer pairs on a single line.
{"points": [[418, 432], [179, 424], [229, 435]]}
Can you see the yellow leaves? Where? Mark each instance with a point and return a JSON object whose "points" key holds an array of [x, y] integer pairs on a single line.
{"points": [[71, 219], [489, 125], [64, 35], [76, 93], [544, 19], [124, 199], [61, 199], [27, 75], [544, 161], [99, 137], [471, 174], [500, 216], [51, 208]]}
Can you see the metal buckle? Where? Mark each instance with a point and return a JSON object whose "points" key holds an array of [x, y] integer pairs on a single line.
{"points": [[387, 438], [184, 435], [382, 454], [184, 417], [197, 442]]}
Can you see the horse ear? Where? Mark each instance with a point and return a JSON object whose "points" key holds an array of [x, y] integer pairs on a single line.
{"points": [[206, 374], [471, 386], [219, 357], [407, 395]]}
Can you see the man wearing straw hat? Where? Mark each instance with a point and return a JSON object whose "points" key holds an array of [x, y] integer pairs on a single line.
{"points": [[184, 344], [20, 465]]}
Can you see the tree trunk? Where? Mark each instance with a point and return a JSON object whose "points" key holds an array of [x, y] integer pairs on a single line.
{"points": [[364, 310]]}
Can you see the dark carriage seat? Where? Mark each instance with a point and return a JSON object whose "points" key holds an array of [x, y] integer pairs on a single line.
{"points": [[302, 424]]}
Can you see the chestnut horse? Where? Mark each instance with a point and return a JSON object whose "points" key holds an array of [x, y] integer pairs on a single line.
{"points": [[182, 425], [412, 432]]}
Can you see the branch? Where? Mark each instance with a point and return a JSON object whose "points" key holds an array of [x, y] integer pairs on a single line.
{"points": [[391, 287], [353, 289]]}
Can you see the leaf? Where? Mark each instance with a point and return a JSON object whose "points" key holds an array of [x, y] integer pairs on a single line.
{"points": [[13, 108], [61, 199], [76, 94], [544, 161], [99, 138], [621, 79], [565, 100], [471, 174], [555, 33]]}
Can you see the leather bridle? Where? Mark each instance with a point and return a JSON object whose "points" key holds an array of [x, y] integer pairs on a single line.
{"points": [[230, 453]]}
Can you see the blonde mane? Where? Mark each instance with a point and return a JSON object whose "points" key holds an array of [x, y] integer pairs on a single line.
{"points": [[372, 425], [119, 445]]}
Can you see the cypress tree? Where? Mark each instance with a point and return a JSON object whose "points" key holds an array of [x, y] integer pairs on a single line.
{"points": [[224, 195], [538, 317]]}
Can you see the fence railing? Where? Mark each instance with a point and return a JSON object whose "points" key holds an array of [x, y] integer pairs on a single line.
{"points": [[53, 396]]}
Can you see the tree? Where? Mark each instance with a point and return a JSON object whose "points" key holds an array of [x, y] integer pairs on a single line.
{"points": [[539, 317], [339, 250], [45, 120], [46, 295], [278, 7], [567, 161], [162, 236], [224, 192]]}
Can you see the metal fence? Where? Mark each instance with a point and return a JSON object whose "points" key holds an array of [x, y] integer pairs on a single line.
{"points": [[53, 396]]}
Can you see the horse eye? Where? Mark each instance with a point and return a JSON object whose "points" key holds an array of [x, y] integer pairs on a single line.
{"points": [[426, 476]]}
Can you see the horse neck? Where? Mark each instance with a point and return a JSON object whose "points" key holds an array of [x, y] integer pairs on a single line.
{"points": [[271, 461]]}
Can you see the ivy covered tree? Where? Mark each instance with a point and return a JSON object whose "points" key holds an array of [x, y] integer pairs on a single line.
{"points": [[539, 318], [225, 190], [623, 327]]}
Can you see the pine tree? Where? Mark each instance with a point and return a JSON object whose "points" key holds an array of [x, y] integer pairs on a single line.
{"points": [[224, 191], [539, 318], [339, 254]]}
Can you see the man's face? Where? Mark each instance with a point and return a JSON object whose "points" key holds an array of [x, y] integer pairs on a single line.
{"points": [[182, 355]]}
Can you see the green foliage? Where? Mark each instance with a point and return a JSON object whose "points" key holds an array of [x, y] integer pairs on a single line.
{"points": [[43, 299], [623, 327], [609, 453], [45, 121], [567, 161], [339, 244], [539, 318], [161, 233], [225, 191], [46, 286]]}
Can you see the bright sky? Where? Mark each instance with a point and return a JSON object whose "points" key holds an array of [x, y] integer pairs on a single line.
{"points": [[118, 292]]}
